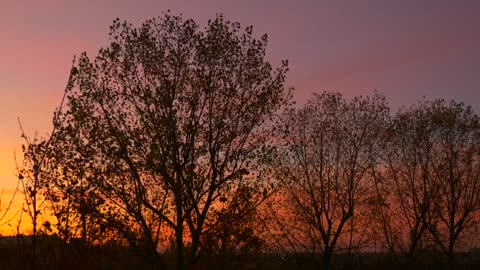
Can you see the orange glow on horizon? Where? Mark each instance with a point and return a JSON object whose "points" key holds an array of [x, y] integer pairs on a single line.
{"points": [[405, 50]]}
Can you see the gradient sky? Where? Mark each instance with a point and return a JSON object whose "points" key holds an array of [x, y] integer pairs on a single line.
{"points": [[405, 49]]}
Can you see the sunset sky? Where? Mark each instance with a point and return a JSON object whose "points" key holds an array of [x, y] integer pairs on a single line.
{"points": [[405, 49]]}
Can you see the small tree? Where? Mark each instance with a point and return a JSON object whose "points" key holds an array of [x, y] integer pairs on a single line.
{"points": [[31, 173], [235, 234], [36, 173], [327, 151]]}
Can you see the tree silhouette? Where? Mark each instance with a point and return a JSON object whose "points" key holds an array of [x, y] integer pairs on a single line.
{"points": [[407, 188], [166, 124], [170, 139], [456, 170], [235, 234], [328, 149], [431, 178]]}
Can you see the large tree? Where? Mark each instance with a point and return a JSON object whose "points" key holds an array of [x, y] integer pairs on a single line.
{"points": [[167, 122]]}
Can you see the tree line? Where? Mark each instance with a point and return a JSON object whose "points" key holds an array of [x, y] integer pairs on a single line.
{"points": [[183, 144]]}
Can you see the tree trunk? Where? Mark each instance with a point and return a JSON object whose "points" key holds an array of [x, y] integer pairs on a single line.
{"points": [[179, 236], [450, 255], [327, 258]]}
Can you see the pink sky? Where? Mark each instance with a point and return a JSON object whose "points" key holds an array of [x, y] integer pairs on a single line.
{"points": [[406, 50]]}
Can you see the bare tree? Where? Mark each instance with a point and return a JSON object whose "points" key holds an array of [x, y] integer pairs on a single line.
{"points": [[328, 148], [406, 185], [168, 121], [456, 162], [433, 174]]}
